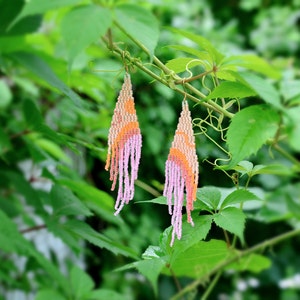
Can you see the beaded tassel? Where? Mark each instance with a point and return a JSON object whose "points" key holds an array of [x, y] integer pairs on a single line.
{"points": [[181, 172], [124, 146]]}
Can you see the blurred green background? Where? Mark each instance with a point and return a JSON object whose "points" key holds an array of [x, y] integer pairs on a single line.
{"points": [[267, 28]]}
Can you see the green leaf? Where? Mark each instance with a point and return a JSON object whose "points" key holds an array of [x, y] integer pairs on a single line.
{"points": [[81, 283], [48, 294], [231, 219], [5, 143], [26, 25], [274, 210], [99, 201], [82, 26], [215, 56], [40, 68], [276, 169], [32, 114], [53, 135], [263, 88], [153, 252], [86, 232], [244, 167], [251, 62], [198, 260], [9, 11], [52, 149], [140, 24], [12, 241], [68, 238], [249, 130], [228, 75], [23, 187], [12, 43], [158, 200], [64, 202], [202, 55], [254, 263], [33, 7], [238, 196], [151, 269], [231, 90], [293, 206], [208, 195], [182, 64], [106, 294], [191, 235], [293, 127], [290, 89], [6, 95]]}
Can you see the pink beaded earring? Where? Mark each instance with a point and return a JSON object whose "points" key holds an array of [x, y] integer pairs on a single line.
{"points": [[181, 172], [124, 146]]}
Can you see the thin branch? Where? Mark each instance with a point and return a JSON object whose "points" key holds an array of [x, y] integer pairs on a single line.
{"points": [[211, 286], [177, 283], [220, 267], [147, 188], [23, 132], [190, 79], [208, 104], [226, 238], [287, 155], [33, 228]]}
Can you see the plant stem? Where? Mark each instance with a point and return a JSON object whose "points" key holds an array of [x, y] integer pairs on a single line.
{"points": [[211, 286], [33, 228], [147, 188], [184, 80], [220, 267], [208, 104], [177, 283], [287, 155], [226, 238], [16, 135]]}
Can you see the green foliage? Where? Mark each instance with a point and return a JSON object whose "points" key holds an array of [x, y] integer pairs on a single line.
{"points": [[140, 24], [59, 67], [231, 219], [83, 26], [231, 90], [249, 130], [39, 68], [263, 88], [214, 55], [64, 202]]}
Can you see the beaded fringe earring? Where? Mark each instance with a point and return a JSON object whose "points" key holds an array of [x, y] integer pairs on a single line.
{"points": [[181, 172], [124, 146]]}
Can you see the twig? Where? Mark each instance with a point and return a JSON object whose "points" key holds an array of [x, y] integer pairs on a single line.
{"points": [[211, 286], [16, 135], [226, 238], [177, 283], [220, 267], [33, 228], [287, 155], [147, 188], [208, 104], [184, 80]]}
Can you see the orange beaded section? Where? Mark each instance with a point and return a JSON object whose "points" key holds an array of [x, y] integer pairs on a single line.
{"points": [[127, 130], [129, 106], [191, 181]]}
